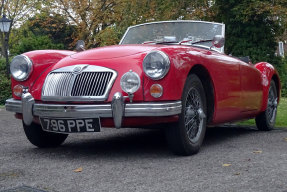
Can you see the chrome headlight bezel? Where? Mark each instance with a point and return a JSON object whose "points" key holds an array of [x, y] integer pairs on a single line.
{"points": [[165, 64], [25, 74], [123, 81]]}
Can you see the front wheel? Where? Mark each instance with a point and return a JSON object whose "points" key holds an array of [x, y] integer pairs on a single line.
{"points": [[186, 136], [265, 121], [43, 139]]}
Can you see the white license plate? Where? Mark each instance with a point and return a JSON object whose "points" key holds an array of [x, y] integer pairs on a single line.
{"points": [[71, 125]]}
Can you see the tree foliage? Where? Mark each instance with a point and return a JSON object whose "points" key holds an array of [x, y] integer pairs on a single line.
{"points": [[252, 27], [90, 16], [33, 42], [53, 26], [17, 11]]}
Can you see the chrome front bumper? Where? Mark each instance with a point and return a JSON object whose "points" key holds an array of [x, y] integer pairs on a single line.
{"points": [[117, 109]]}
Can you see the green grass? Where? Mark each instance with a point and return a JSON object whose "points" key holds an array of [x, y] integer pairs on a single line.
{"points": [[281, 120]]}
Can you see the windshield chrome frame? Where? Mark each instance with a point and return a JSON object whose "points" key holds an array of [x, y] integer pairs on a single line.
{"points": [[181, 21]]}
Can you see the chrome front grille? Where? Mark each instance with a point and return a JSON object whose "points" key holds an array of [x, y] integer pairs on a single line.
{"points": [[91, 83], [78, 83], [57, 84]]}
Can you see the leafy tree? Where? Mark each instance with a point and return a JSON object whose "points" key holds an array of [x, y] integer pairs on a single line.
{"points": [[55, 27], [252, 27], [17, 11], [35, 43], [90, 16], [132, 12]]}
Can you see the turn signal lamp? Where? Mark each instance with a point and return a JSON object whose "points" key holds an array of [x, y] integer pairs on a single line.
{"points": [[18, 90], [156, 90]]}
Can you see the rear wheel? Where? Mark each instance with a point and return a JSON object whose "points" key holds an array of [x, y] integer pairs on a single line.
{"points": [[265, 121], [186, 136], [43, 139]]}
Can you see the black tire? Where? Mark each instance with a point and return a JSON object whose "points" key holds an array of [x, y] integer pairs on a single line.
{"points": [[265, 121], [43, 139], [185, 137]]}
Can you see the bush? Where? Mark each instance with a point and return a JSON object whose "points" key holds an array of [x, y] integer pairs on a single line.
{"points": [[35, 43], [281, 66], [5, 84]]}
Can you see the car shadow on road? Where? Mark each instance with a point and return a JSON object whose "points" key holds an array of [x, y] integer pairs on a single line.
{"points": [[220, 134], [137, 142]]}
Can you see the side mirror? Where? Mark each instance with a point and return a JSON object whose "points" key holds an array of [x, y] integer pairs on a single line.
{"points": [[80, 46], [218, 41]]}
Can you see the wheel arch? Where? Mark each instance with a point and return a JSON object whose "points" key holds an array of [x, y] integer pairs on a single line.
{"points": [[268, 73], [208, 86]]}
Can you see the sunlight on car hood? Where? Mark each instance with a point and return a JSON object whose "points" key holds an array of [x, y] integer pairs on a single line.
{"points": [[111, 52]]}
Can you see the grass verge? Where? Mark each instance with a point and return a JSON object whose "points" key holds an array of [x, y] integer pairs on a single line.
{"points": [[281, 120]]}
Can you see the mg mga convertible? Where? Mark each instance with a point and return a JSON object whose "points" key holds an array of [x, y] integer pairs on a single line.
{"points": [[171, 73]]}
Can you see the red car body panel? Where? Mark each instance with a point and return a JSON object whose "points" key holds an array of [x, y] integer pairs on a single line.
{"points": [[42, 60], [240, 89]]}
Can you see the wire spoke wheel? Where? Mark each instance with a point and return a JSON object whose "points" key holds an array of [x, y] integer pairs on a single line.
{"points": [[186, 136], [194, 115], [272, 106]]}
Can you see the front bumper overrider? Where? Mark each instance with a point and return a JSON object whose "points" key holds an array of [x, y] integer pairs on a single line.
{"points": [[117, 109]]}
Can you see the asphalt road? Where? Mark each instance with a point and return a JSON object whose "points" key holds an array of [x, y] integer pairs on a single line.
{"points": [[231, 159]]}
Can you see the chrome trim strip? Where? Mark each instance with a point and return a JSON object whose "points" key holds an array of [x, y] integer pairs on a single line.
{"points": [[84, 68], [118, 109], [13, 105], [153, 109], [27, 108], [147, 109]]}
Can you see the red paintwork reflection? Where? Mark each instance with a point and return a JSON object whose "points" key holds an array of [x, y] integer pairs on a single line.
{"points": [[240, 89]]}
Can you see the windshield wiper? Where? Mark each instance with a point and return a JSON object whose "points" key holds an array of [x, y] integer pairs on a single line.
{"points": [[159, 42], [200, 41], [166, 42]]}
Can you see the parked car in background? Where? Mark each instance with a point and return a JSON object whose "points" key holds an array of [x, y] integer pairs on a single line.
{"points": [[172, 72]]}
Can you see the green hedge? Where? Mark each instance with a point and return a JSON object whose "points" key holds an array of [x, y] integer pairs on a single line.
{"points": [[281, 66], [5, 85]]}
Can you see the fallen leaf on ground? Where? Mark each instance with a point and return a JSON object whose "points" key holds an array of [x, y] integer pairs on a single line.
{"points": [[80, 169], [257, 152], [226, 165], [285, 139], [237, 173]]}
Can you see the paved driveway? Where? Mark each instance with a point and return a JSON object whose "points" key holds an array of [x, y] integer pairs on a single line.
{"points": [[231, 159]]}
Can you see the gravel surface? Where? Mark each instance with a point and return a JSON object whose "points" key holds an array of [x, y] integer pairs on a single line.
{"points": [[231, 159]]}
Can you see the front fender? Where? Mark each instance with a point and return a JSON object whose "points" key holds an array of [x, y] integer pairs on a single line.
{"points": [[268, 72], [42, 60]]}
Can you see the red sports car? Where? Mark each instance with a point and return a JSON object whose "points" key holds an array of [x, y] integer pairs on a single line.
{"points": [[172, 72]]}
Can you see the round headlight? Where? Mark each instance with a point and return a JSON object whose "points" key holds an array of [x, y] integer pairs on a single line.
{"points": [[21, 67], [156, 65], [130, 82]]}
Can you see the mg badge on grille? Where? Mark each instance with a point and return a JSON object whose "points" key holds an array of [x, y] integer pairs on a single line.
{"points": [[77, 70]]}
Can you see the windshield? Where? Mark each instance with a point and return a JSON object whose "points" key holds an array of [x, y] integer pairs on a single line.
{"points": [[174, 31]]}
